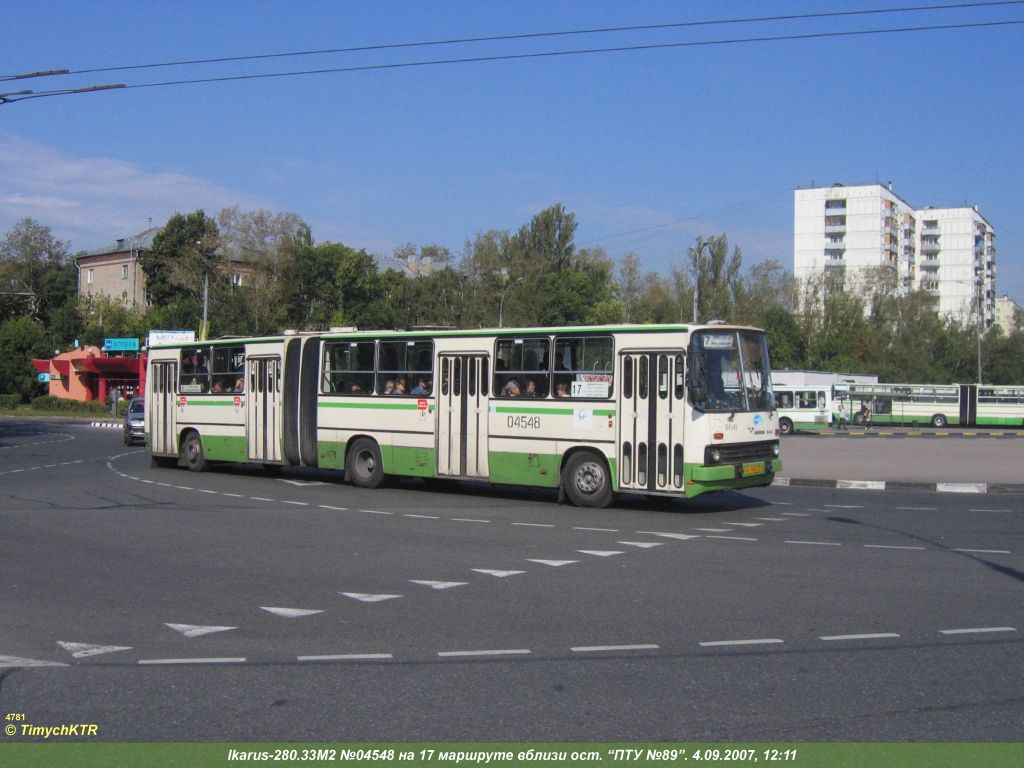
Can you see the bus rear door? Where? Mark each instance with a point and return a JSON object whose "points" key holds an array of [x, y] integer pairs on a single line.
{"points": [[462, 402], [263, 409], [161, 412]]}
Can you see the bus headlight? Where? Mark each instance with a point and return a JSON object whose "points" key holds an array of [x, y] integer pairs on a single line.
{"points": [[775, 450], [714, 456]]}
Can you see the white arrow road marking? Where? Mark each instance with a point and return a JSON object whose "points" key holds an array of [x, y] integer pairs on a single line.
{"points": [[439, 584], [641, 544], [599, 553], [290, 613], [194, 630], [680, 536], [84, 650], [15, 661], [369, 598], [552, 563], [499, 574]]}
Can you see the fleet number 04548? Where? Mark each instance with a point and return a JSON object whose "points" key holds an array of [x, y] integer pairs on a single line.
{"points": [[524, 422]]}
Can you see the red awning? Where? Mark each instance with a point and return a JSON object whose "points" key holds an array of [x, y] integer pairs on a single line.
{"points": [[63, 367], [107, 365], [43, 366]]}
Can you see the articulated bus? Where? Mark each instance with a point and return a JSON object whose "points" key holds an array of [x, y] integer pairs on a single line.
{"points": [[936, 404], [670, 410]]}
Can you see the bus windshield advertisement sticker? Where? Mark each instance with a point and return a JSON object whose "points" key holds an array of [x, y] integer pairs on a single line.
{"points": [[719, 341]]}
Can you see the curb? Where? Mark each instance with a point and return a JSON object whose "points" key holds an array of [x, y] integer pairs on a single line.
{"points": [[928, 435], [105, 424], [901, 485]]}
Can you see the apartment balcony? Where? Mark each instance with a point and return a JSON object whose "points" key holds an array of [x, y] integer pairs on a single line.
{"points": [[930, 231], [835, 229], [835, 208], [930, 246]]}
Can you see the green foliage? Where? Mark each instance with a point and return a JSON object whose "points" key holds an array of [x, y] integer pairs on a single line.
{"points": [[183, 252], [8, 402], [21, 340], [64, 405]]}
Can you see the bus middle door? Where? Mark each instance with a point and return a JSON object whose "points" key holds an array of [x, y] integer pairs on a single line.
{"points": [[160, 411], [263, 409], [462, 403], [650, 440]]}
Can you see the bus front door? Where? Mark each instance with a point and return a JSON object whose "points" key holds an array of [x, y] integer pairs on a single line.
{"points": [[462, 402], [650, 439], [263, 409], [160, 411]]}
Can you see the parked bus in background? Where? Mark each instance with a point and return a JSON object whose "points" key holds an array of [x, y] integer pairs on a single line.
{"points": [[939, 405], [803, 408], [671, 410]]}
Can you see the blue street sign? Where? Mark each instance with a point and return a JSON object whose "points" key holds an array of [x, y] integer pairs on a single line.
{"points": [[43, 377], [120, 345]]}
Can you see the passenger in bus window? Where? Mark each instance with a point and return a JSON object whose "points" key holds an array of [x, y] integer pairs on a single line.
{"points": [[389, 387], [511, 389], [240, 384], [422, 387], [531, 388], [561, 390], [400, 385]]}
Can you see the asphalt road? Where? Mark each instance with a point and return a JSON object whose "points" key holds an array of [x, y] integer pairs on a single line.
{"points": [[237, 605]]}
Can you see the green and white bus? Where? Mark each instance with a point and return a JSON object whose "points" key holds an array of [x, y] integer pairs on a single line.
{"points": [[673, 410], [803, 408], [939, 405]]}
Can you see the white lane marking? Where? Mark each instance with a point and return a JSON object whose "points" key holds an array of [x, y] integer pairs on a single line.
{"points": [[920, 509], [184, 488], [961, 487], [641, 544], [989, 510], [680, 536], [17, 661], [889, 546], [258, 498], [749, 525], [733, 538], [600, 648], [782, 503], [85, 650], [196, 630], [985, 551], [221, 660], [424, 517], [973, 630], [296, 503], [796, 514], [599, 530], [301, 482], [870, 636], [290, 613], [468, 520], [535, 525], [498, 574], [816, 543], [552, 563], [202, 490], [373, 512], [336, 509], [506, 652], [347, 657], [233, 495], [365, 598], [600, 553], [439, 584], [761, 641], [772, 519], [714, 530]]}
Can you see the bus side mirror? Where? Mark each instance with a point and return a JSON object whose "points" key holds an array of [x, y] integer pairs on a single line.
{"points": [[696, 377]]}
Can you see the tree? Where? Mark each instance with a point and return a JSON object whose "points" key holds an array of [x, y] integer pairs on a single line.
{"points": [[716, 275], [184, 252], [21, 339], [36, 272]]}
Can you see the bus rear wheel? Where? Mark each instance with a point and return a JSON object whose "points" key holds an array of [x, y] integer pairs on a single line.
{"points": [[785, 426], [364, 466], [938, 420], [192, 454], [586, 480]]}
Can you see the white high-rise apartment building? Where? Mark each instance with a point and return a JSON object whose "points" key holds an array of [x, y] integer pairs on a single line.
{"points": [[948, 252]]}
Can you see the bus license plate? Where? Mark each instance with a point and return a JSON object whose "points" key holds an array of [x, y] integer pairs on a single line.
{"points": [[753, 469]]}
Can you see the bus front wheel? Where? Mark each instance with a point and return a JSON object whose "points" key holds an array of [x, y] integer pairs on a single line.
{"points": [[364, 467], [192, 453], [938, 420], [586, 480]]}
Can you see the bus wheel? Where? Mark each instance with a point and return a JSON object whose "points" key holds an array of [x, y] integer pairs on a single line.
{"points": [[364, 467], [586, 480], [192, 453], [785, 426], [938, 420]]}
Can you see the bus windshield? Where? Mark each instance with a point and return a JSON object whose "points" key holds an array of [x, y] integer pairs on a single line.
{"points": [[731, 372]]}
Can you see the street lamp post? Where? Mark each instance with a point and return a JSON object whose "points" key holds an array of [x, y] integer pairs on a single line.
{"points": [[501, 304], [206, 290]]}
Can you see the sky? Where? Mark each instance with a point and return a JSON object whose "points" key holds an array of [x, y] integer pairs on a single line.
{"points": [[649, 147]]}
